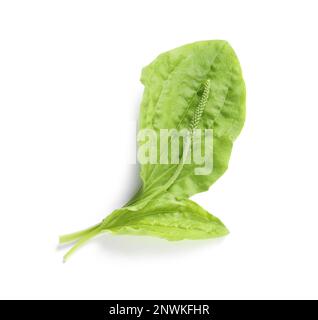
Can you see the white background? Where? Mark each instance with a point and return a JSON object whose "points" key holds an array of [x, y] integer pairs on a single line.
{"points": [[69, 79]]}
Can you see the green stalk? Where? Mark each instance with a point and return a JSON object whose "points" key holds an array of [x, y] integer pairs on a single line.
{"points": [[82, 241], [76, 235]]}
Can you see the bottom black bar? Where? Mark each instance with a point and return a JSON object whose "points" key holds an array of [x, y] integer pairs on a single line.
{"points": [[158, 309]]}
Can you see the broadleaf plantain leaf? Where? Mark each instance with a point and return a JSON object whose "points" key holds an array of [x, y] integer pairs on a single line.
{"points": [[169, 218], [196, 86], [173, 88]]}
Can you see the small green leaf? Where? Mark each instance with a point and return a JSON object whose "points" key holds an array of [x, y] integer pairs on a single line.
{"points": [[169, 218]]}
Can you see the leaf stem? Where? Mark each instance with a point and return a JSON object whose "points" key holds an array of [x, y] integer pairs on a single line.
{"points": [[82, 241], [76, 235]]}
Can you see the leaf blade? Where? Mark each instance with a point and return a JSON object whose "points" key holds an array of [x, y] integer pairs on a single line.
{"points": [[169, 218], [179, 75]]}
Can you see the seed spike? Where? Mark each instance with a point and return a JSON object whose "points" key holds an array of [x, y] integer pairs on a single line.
{"points": [[201, 106]]}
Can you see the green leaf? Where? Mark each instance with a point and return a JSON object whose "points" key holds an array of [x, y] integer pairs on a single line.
{"points": [[173, 88], [169, 218], [198, 85]]}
